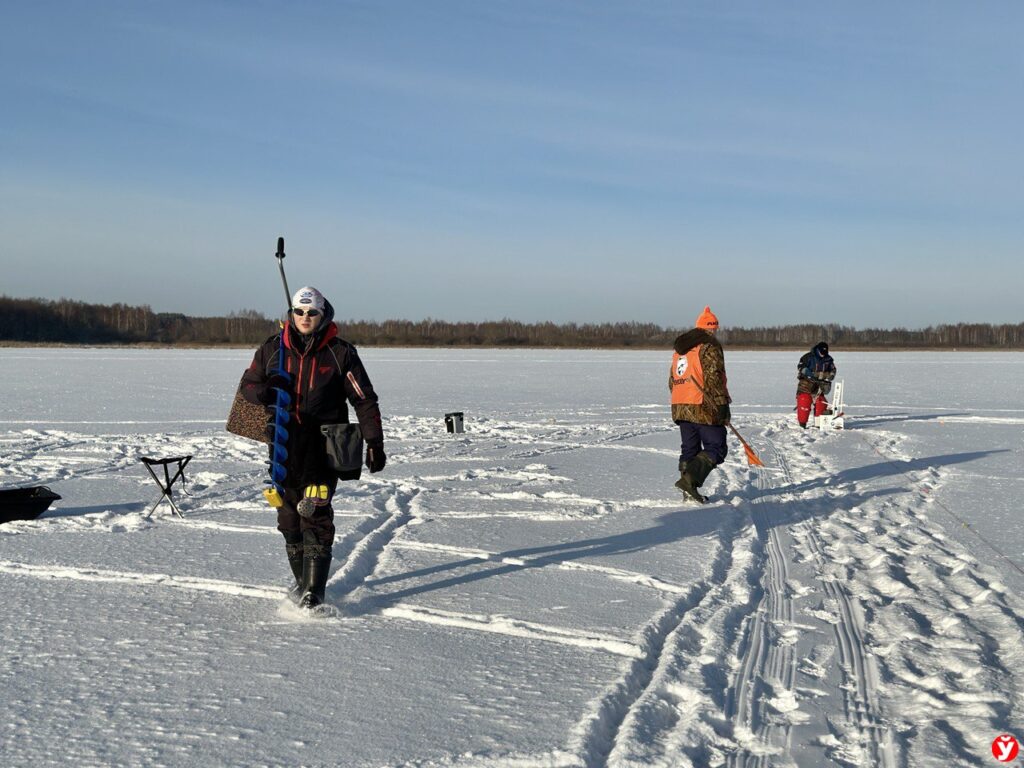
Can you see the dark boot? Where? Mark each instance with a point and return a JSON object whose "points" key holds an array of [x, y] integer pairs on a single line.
{"points": [[693, 475], [293, 545], [686, 484], [316, 568], [700, 467]]}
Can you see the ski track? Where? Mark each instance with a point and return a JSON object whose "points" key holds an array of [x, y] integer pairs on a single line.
{"points": [[863, 737], [761, 702], [927, 642], [719, 679], [662, 691], [365, 545], [681, 708]]}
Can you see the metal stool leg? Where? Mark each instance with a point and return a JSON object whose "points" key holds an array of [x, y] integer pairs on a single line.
{"points": [[167, 487]]}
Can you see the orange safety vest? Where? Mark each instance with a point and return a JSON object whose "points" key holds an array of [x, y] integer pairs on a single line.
{"points": [[687, 377]]}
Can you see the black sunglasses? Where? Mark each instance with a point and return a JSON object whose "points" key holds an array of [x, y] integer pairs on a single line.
{"points": [[300, 312]]}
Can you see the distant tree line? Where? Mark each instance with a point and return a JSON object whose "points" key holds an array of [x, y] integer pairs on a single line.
{"points": [[75, 322]]}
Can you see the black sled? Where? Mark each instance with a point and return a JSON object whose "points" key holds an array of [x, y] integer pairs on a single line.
{"points": [[25, 503]]}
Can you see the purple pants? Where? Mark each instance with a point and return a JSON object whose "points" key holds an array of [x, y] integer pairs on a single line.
{"points": [[695, 438]]}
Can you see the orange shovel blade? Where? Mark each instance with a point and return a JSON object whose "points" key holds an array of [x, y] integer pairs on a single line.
{"points": [[752, 458]]}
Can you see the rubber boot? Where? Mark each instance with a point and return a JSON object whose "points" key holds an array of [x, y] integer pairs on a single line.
{"points": [[293, 545], [316, 568], [699, 468], [686, 482], [803, 408]]}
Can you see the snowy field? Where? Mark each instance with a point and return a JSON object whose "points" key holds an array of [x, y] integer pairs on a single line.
{"points": [[534, 592]]}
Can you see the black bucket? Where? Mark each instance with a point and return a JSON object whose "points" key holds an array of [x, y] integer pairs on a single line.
{"points": [[453, 422]]}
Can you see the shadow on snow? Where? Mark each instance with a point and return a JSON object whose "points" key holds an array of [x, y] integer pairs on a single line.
{"points": [[671, 527]]}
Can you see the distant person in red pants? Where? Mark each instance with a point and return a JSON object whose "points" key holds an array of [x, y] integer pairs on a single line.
{"points": [[814, 373]]}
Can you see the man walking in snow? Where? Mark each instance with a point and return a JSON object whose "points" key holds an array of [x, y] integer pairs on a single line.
{"points": [[324, 375], [700, 403], [814, 374]]}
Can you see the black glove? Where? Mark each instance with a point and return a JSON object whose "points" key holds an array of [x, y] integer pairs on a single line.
{"points": [[375, 458], [267, 394], [724, 414]]}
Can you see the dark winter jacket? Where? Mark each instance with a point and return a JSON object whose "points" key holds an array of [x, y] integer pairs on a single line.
{"points": [[326, 375], [712, 361], [816, 370]]}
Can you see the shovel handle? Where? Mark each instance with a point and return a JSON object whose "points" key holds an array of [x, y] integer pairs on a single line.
{"points": [[752, 457]]}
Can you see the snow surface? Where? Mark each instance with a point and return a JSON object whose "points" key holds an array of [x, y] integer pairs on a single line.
{"points": [[534, 592]]}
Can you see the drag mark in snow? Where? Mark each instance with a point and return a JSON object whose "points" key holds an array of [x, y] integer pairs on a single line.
{"points": [[144, 579], [480, 623], [504, 625], [211, 525], [641, 579]]}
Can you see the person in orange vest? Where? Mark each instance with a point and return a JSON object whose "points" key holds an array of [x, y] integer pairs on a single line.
{"points": [[700, 403]]}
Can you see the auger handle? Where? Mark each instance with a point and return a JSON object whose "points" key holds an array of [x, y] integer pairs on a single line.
{"points": [[284, 280]]}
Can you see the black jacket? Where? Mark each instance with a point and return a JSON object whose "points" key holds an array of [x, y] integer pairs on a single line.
{"points": [[326, 376], [816, 365]]}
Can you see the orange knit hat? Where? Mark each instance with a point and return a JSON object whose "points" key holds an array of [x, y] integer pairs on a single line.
{"points": [[707, 320]]}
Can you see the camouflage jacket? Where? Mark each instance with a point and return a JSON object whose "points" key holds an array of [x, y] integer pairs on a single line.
{"points": [[712, 361]]}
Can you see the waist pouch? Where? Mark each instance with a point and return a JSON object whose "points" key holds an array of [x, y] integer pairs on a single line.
{"points": [[343, 444]]}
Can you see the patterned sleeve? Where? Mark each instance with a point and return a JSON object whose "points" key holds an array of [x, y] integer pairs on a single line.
{"points": [[712, 360]]}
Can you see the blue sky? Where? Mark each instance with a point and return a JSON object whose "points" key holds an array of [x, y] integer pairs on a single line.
{"points": [[856, 163]]}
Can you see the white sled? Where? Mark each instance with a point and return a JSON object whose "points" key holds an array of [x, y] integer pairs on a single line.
{"points": [[832, 418]]}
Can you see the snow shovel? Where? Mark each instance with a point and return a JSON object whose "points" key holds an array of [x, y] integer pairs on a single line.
{"points": [[752, 458]]}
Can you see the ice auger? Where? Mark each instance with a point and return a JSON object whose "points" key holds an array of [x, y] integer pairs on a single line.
{"points": [[279, 443]]}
